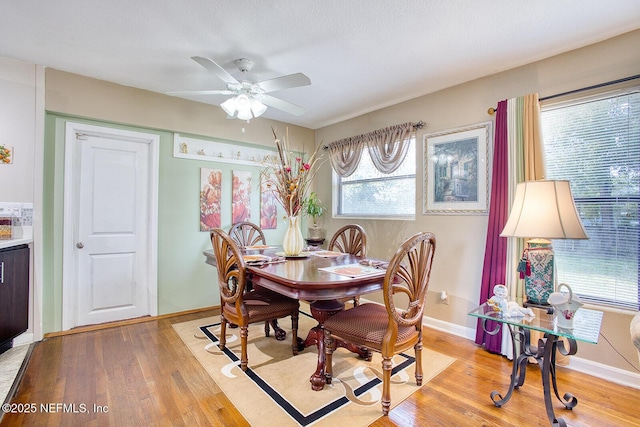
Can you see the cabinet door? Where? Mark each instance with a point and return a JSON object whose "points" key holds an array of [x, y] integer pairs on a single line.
{"points": [[14, 293]]}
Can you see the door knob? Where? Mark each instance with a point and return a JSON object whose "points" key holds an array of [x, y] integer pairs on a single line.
{"points": [[79, 245]]}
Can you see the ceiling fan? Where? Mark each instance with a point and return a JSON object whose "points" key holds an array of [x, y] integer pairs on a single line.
{"points": [[250, 98]]}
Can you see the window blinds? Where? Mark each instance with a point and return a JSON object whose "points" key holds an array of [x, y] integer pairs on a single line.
{"points": [[595, 144]]}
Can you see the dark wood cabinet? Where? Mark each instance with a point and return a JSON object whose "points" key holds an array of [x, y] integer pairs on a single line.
{"points": [[14, 294]]}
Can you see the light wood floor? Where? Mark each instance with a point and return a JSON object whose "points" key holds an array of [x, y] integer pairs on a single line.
{"points": [[141, 374]]}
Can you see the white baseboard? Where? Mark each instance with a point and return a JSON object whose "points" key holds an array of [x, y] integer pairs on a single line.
{"points": [[609, 373], [599, 370], [450, 328]]}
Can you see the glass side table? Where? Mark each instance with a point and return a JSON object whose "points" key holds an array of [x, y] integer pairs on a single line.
{"points": [[586, 328]]}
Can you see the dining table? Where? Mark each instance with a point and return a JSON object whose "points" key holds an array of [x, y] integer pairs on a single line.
{"points": [[324, 279]]}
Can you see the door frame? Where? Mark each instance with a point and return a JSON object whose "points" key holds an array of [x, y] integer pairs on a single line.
{"points": [[70, 210]]}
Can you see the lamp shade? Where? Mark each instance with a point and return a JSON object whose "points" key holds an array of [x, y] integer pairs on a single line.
{"points": [[544, 209]]}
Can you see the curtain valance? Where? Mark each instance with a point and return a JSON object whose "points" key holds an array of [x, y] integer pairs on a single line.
{"points": [[387, 148]]}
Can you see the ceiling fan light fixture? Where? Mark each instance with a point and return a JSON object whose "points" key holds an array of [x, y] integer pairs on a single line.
{"points": [[243, 104], [245, 114], [248, 92], [229, 106], [258, 108], [245, 107]]}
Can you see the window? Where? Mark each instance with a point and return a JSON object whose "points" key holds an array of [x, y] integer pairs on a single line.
{"points": [[370, 193], [595, 144]]}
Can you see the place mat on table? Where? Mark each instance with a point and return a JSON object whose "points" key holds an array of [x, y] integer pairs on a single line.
{"points": [[327, 254], [354, 270]]}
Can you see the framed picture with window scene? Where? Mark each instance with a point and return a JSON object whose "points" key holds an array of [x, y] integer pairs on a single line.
{"points": [[456, 170]]}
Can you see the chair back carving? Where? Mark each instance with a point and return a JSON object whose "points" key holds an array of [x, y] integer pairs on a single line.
{"points": [[230, 265], [247, 234], [407, 281], [350, 239]]}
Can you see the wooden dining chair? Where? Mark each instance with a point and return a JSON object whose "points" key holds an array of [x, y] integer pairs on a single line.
{"points": [[350, 239], [243, 308], [249, 234], [395, 326]]}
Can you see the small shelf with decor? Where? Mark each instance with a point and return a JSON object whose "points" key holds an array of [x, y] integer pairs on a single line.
{"points": [[221, 151]]}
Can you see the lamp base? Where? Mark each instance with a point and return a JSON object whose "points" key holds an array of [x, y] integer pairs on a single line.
{"points": [[539, 284]]}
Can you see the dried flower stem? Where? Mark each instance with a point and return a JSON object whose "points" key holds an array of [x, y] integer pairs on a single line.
{"points": [[291, 177]]}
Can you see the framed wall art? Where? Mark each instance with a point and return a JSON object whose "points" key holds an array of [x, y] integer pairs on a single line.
{"points": [[241, 197], [456, 170], [268, 206], [210, 198], [6, 154]]}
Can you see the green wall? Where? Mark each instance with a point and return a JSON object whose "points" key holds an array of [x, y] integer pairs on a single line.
{"points": [[185, 282]]}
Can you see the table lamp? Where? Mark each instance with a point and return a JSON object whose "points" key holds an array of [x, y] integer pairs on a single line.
{"points": [[542, 210]]}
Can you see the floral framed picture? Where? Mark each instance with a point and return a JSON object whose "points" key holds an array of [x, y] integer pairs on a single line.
{"points": [[241, 197], [456, 170], [210, 199], [6, 154], [268, 205]]}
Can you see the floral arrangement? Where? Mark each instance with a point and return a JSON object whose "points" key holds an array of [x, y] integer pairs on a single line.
{"points": [[289, 176]]}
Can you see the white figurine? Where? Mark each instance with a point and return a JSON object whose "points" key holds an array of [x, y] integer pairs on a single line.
{"points": [[514, 310], [499, 298], [507, 308]]}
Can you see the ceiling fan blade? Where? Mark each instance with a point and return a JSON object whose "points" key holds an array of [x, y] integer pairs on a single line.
{"points": [[285, 106], [215, 69], [201, 92], [285, 82]]}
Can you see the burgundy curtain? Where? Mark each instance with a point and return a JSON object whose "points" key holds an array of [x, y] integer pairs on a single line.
{"points": [[495, 255]]}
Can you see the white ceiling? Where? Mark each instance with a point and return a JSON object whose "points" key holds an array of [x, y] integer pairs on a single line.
{"points": [[361, 55]]}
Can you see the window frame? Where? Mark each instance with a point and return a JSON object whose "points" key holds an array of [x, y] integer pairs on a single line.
{"points": [[337, 191]]}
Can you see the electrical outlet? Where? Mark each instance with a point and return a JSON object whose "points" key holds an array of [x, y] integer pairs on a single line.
{"points": [[444, 298]]}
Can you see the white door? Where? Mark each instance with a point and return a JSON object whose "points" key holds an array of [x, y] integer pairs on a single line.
{"points": [[110, 225]]}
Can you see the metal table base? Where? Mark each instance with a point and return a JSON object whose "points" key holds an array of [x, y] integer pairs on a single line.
{"points": [[545, 354]]}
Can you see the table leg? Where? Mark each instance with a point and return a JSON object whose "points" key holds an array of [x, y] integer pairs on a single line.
{"points": [[519, 369], [547, 361], [545, 354], [320, 310]]}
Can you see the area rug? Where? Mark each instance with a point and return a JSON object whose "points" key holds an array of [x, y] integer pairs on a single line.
{"points": [[275, 389]]}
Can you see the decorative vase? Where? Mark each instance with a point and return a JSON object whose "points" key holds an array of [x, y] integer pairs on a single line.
{"points": [[293, 241], [539, 284], [315, 233], [565, 306]]}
